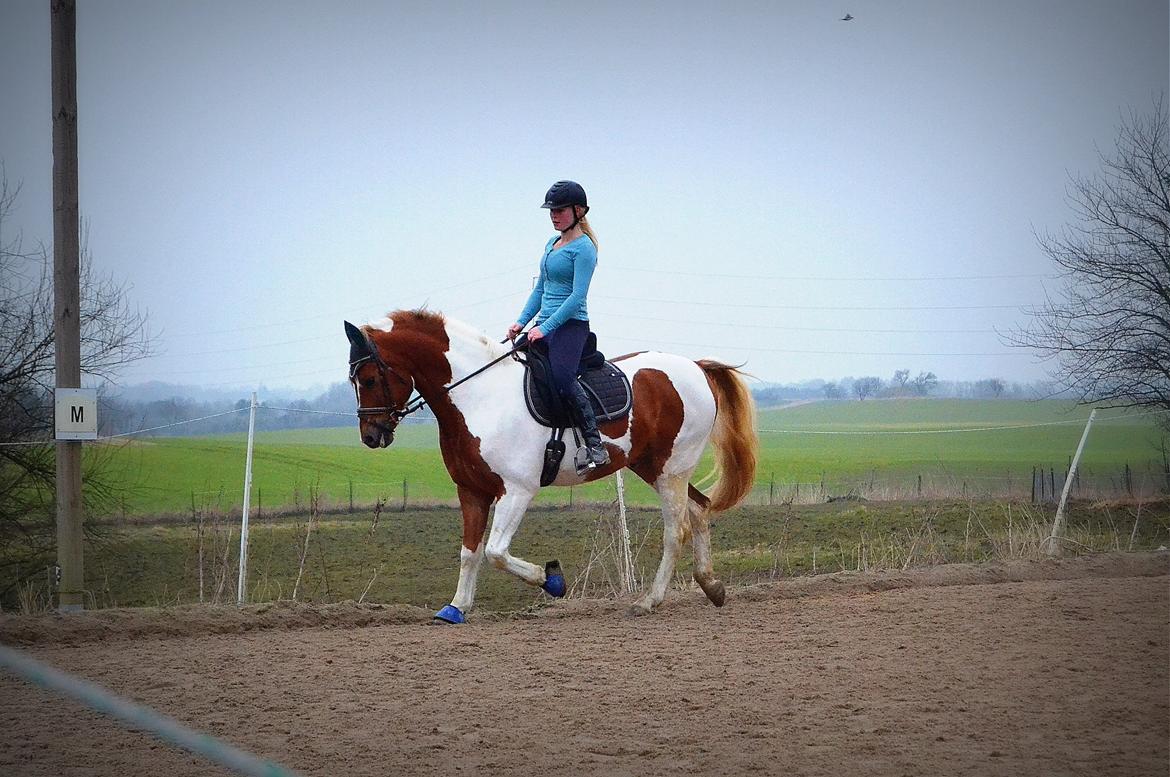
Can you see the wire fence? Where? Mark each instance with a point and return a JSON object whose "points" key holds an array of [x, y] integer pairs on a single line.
{"points": [[1040, 485]]}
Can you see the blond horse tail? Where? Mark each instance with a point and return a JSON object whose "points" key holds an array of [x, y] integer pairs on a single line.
{"points": [[734, 437]]}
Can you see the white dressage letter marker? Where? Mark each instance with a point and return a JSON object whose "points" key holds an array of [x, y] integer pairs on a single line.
{"points": [[76, 414]]}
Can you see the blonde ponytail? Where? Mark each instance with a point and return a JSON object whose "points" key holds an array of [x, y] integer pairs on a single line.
{"points": [[588, 230]]}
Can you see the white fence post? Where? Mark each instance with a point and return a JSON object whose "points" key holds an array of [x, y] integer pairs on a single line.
{"points": [[627, 560], [241, 589], [1053, 545]]}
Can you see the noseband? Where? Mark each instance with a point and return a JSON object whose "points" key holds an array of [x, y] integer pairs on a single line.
{"points": [[397, 414]]}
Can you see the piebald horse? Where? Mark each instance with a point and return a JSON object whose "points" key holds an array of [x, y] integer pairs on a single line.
{"points": [[494, 450]]}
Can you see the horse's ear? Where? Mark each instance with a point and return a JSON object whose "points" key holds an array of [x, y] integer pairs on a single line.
{"points": [[359, 345], [354, 334]]}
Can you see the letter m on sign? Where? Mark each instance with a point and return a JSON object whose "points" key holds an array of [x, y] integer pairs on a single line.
{"points": [[76, 414]]}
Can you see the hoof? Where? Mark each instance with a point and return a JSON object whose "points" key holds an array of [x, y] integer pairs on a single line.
{"points": [[639, 609], [554, 579], [715, 592], [449, 614]]}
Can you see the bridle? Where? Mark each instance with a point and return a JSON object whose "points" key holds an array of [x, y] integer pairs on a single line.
{"points": [[396, 414], [412, 405]]}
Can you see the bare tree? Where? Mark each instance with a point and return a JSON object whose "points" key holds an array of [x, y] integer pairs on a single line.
{"points": [[990, 387], [1108, 328], [112, 336], [868, 386], [924, 383], [898, 382]]}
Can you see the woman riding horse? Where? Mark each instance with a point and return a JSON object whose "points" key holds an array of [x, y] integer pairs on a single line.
{"points": [[559, 304]]}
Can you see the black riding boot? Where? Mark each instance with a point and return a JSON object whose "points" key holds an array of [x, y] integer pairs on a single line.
{"points": [[582, 411]]}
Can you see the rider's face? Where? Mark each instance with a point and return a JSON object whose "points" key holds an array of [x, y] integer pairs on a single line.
{"points": [[561, 218]]}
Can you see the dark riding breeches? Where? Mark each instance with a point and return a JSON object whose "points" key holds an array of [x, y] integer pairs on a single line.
{"points": [[564, 347]]}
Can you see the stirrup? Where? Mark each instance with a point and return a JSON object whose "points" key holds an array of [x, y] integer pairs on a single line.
{"points": [[586, 459]]}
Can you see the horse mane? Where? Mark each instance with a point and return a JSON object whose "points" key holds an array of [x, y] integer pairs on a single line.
{"points": [[424, 320], [417, 319]]}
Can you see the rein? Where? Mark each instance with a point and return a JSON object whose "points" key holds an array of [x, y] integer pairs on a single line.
{"points": [[418, 403]]}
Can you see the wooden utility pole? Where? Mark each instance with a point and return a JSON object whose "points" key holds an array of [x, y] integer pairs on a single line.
{"points": [[67, 295]]}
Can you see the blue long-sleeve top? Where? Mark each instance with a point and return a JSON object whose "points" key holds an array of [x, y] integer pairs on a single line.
{"points": [[560, 291]]}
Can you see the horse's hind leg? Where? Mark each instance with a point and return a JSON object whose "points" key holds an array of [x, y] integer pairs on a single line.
{"points": [[701, 542], [672, 490]]}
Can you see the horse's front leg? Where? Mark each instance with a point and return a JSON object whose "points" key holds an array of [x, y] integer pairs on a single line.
{"points": [[474, 507], [509, 512]]}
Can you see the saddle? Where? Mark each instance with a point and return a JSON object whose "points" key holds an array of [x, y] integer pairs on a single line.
{"points": [[607, 387]]}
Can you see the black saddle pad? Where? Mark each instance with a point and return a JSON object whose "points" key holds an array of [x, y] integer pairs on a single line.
{"points": [[607, 387]]}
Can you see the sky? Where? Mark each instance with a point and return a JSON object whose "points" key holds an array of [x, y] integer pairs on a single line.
{"points": [[769, 185]]}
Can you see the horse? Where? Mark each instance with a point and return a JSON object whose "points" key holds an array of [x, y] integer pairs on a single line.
{"points": [[494, 450]]}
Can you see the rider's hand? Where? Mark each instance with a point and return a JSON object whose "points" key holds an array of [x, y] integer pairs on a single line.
{"points": [[514, 331], [534, 334]]}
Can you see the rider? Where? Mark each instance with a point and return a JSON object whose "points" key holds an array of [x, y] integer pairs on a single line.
{"points": [[563, 321]]}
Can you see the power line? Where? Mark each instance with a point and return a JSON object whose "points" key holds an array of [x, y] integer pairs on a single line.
{"points": [[352, 311], [267, 346], [642, 300], [137, 431], [240, 382], [840, 278], [734, 347], [1036, 425], [176, 423], [306, 410], [801, 328], [264, 346], [186, 421], [249, 367]]}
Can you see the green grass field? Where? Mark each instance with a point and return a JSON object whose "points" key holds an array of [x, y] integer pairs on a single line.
{"points": [[891, 441], [179, 490], [870, 451]]}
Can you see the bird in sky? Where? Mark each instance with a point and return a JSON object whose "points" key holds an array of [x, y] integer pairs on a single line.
{"points": [[847, 17]]}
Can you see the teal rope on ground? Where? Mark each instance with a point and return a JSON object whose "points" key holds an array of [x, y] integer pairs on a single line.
{"points": [[140, 716]]}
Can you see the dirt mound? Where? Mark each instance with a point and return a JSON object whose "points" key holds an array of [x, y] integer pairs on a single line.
{"points": [[196, 620]]}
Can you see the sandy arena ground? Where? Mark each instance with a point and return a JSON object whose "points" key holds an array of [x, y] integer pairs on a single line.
{"points": [[1027, 668]]}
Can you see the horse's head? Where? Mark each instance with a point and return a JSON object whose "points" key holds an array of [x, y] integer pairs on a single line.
{"points": [[382, 393]]}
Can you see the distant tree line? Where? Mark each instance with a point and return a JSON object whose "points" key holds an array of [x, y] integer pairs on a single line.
{"points": [[335, 406], [901, 384], [173, 416]]}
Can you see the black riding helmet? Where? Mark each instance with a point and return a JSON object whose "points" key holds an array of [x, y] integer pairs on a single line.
{"points": [[563, 194]]}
